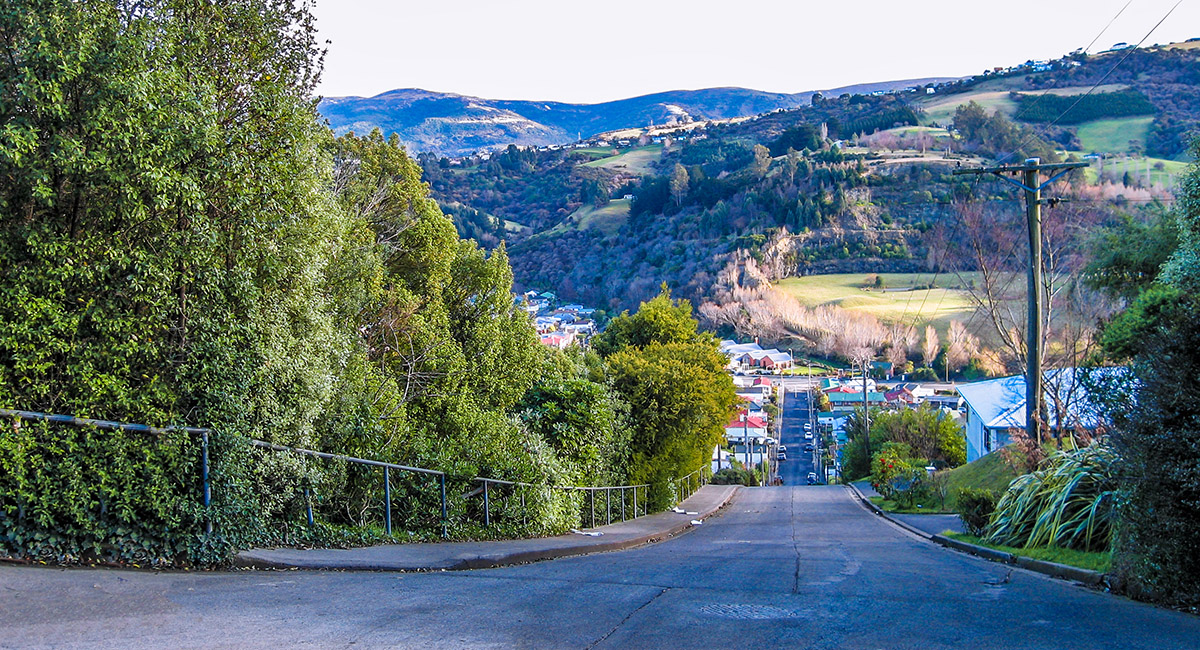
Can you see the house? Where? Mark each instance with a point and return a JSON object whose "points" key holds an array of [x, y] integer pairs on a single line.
{"points": [[753, 396], [851, 401], [997, 406], [908, 393], [751, 427], [558, 340]]}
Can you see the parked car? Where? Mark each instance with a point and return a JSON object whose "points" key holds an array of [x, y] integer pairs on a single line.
{"points": [[812, 478], [808, 426], [782, 448], [808, 435], [808, 447], [782, 455]]}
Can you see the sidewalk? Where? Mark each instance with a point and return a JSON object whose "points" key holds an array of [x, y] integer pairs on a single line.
{"points": [[480, 555], [932, 524]]}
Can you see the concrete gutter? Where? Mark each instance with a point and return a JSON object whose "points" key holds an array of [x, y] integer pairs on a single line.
{"points": [[454, 556], [1053, 569], [882, 513]]}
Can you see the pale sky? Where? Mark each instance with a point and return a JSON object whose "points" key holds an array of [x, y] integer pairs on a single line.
{"points": [[601, 50]]}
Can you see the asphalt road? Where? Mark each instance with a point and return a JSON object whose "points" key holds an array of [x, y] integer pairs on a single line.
{"points": [[794, 567], [794, 414]]}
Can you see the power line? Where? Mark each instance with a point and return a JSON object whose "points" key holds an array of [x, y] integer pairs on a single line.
{"points": [[1128, 53], [1036, 102], [1114, 19]]}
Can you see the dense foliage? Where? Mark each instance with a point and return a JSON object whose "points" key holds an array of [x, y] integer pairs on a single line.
{"points": [[227, 263], [1069, 502], [1157, 429], [1075, 109], [926, 436], [679, 394]]}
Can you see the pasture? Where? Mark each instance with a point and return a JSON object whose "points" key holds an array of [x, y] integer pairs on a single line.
{"points": [[896, 302], [635, 161]]}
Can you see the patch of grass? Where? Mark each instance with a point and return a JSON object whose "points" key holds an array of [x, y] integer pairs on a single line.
{"points": [[888, 505], [608, 219], [1093, 560], [993, 95], [634, 161], [1113, 136], [989, 473], [895, 302]]}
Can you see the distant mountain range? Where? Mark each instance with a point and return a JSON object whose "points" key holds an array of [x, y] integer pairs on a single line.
{"points": [[451, 124]]}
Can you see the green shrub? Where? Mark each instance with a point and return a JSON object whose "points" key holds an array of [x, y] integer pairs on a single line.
{"points": [[734, 476], [975, 506], [924, 374], [1069, 503]]}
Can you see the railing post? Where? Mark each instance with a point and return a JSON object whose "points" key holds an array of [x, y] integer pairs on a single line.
{"points": [[592, 502], [387, 501], [635, 514], [524, 518], [308, 506], [204, 478], [445, 533], [487, 506], [622, 503], [608, 506]]}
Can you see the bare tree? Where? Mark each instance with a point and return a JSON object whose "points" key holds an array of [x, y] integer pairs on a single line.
{"points": [[929, 350], [960, 346], [992, 240]]}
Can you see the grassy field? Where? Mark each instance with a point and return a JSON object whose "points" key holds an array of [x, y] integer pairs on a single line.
{"points": [[938, 306], [1113, 136], [607, 219], [634, 161], [993, 96]]}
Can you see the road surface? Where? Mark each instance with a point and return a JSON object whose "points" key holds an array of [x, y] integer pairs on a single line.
{"points": [[793, 416], [789, 567]]}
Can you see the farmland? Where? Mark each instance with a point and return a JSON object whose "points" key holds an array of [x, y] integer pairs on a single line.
{"points": [[635, 161], [1113, 136], [948, 300]]}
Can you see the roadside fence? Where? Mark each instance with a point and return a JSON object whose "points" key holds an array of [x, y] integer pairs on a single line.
{"points": [[615, 502]]}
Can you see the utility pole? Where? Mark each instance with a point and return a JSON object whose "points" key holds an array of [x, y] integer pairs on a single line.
{"points": [[1030, 172], [866, 411]]}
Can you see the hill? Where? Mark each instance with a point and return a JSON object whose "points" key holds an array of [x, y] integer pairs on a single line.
{"points": [[453, 125]]}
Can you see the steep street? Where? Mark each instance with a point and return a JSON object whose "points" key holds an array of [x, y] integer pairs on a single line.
{"points": [[796, 567]]}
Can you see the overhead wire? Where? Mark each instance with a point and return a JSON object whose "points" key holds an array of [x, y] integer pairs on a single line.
{"points": [[1128, 52]]}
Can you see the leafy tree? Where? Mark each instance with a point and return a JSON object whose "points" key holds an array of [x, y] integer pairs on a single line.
{"points": [[680, 400], [1157, 432], [660, 320]]}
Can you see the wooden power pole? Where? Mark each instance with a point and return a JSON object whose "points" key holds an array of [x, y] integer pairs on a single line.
{"points": [[1030, 173]]}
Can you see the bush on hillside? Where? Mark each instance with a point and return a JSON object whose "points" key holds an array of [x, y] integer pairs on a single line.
{"points": [[974, 507]]}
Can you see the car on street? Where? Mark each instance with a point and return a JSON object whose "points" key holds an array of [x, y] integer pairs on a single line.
{"points": [[808, 435], [812, 478], [782, 454], [808, 447], [808, 426]]}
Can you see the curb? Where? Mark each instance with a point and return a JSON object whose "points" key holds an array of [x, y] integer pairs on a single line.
{"points": [[1052, 569], [250, 559], [882, 513]]}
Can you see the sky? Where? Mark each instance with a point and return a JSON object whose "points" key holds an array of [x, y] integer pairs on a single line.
{"points": [[600, 50]]}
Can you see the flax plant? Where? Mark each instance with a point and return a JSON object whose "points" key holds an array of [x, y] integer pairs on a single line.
{"points": [[1069, 503]]}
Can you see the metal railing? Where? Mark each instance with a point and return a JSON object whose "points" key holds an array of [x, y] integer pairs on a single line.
{"points": [[387, 482], [688, 485], [629, 506], [625, 498]]}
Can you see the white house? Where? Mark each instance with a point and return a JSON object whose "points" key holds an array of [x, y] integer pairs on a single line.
{"points": [[996, 406], [749, 428]]}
